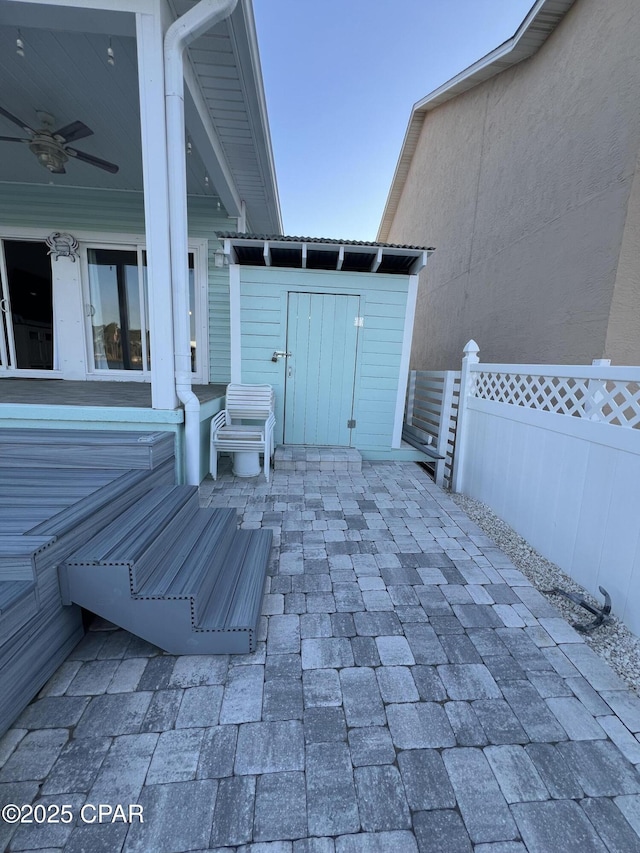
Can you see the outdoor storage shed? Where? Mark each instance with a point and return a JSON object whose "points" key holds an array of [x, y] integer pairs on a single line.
{"points": [[328, 324]]}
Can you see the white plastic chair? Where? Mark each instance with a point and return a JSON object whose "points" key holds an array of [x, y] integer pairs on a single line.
{"points": [[230, 432]]}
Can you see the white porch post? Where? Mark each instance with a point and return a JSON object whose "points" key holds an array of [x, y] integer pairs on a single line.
{"points": [[150, 39], [462, 438], [193, 23]]}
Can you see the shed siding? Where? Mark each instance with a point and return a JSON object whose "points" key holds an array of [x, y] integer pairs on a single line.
{"points": [[263, 318], [68, 209]]}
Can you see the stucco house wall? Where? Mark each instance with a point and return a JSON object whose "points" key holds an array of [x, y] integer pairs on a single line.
{"points": [[524, 186]]}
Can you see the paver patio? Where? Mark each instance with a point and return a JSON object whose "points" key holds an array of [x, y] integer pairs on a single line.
{"points": [[410, 692]]}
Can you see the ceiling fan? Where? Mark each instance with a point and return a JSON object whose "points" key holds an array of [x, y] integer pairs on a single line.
{"points": [[51, 147]]}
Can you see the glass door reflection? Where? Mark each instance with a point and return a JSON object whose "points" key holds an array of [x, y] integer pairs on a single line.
{"points": [[115, 310]]}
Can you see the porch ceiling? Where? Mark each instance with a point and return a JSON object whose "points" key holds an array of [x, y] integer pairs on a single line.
{"points": [[64, 72]]}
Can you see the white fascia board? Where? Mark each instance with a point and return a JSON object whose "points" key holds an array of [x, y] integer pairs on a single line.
{"points": [[420, 262], [245, 43], [504, 56], [230, 252]]}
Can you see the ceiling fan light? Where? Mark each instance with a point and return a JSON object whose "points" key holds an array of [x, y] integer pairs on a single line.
{"points": [[49, 157], [19, 44]]}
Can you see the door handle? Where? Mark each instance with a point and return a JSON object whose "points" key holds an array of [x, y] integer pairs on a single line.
{"points": [[280, 354]]}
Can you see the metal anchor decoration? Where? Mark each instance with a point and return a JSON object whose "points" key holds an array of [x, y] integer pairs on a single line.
{"points": [[601, 614]]}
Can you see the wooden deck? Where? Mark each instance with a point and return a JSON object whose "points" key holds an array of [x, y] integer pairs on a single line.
{"points": [[56, 489], [93, 519], [64, 392]]}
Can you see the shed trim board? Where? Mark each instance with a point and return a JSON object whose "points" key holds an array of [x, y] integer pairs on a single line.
{"points": [[410, 314], [259, 299]]}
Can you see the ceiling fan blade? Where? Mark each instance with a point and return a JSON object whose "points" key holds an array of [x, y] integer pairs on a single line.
{"points": [[15, 120], [93, 161], [13, 139], [73, 131]]}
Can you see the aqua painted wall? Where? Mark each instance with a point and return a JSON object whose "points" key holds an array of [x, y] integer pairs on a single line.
{"points": [[56, 208], [263, 319]]}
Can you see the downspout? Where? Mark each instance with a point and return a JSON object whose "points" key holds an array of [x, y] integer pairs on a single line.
{"points": [[180, 34]]}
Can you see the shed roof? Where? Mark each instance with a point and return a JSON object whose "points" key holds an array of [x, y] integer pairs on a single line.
{"points": [[541, 21], [268, 250]]}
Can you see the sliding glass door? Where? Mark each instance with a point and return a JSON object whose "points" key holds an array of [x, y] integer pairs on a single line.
{"points": [[43, 332], [26, 305], [116, 310]]}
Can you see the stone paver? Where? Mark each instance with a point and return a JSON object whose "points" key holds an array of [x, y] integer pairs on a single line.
{"points": [[557, 825], [425, 779], [381, 799], [332, 807], [483, 807], [411, 693], [176, 757], [270, 747], [233, 815]]}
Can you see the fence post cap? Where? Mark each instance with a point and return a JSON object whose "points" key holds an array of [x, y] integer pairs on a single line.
{"points": [[471, 348]]}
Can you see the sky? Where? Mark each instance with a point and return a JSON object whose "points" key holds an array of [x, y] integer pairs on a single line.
{"points": [[341, 78]]}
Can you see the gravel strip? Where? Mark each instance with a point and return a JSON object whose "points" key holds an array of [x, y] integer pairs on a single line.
{"points": [[614, 642]]}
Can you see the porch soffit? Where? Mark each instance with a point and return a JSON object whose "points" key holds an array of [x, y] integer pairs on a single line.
{"points": [[226, 65], [542, 20], [323, 254], [64, 72]]}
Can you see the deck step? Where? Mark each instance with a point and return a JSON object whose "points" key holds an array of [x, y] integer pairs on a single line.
{"points": [[18, 604], [58, 489], [68, 448], [302, 458], [236, 598], [136, 529], [181, 577], [18, 555], [201, 546], [12, 593]]}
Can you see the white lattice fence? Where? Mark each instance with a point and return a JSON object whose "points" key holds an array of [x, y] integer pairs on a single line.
{"points": [[554, 450], [612, 401]]}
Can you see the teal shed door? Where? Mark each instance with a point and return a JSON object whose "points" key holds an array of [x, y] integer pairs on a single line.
{"points": [[322, 339]]}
